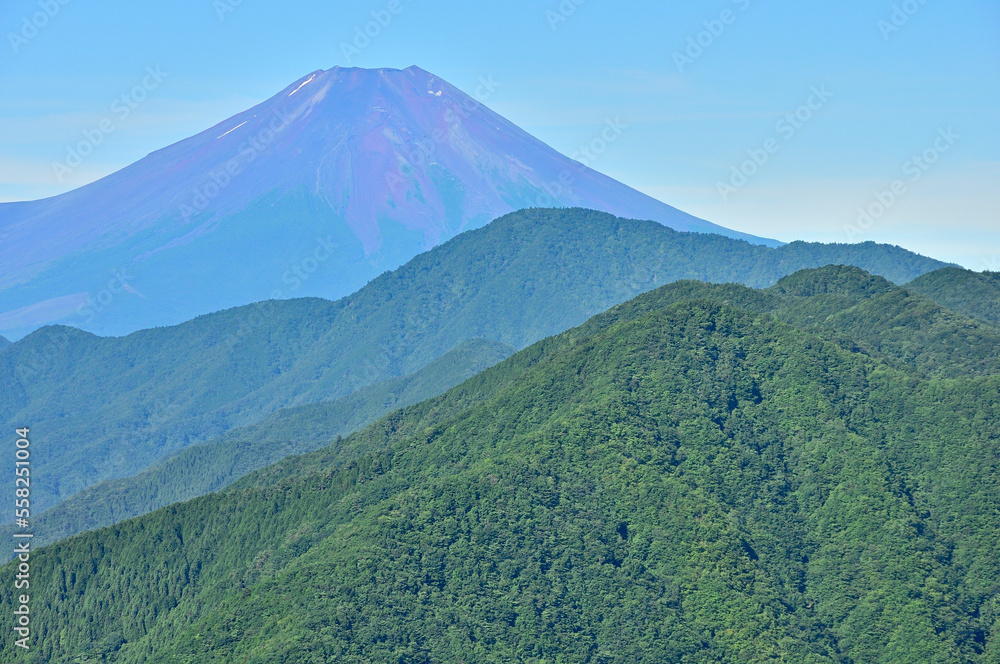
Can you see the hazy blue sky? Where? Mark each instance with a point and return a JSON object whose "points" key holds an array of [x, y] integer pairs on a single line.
{"points": [[901, 76]]}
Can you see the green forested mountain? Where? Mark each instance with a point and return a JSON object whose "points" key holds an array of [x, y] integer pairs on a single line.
{"points": [[975, 294], [686, 478], [869, 311], [210, 466], [105, 408]]}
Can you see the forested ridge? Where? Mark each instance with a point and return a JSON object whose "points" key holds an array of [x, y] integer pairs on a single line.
{"points": [[214, 464], [701, 474], [868, 311], [106, 408], [975, 294]]}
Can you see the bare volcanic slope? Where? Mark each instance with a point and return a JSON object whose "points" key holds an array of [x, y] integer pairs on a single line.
{"points": [[340, 176]]}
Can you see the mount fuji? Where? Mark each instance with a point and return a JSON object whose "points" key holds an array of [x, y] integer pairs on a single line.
{"points": [[340, 176]]}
